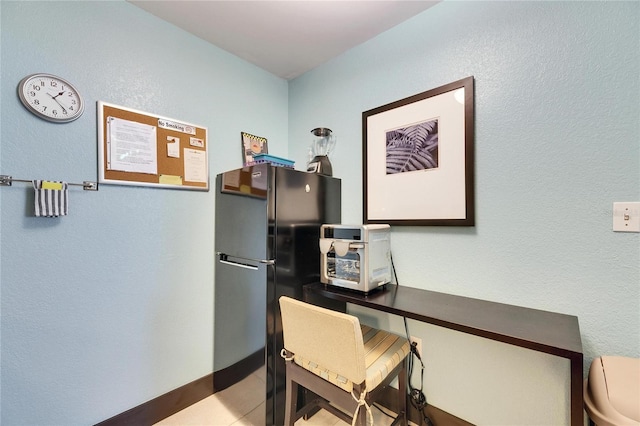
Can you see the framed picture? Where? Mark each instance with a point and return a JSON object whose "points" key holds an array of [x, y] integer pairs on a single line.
{"points": [[418, 162], [251, 146]]}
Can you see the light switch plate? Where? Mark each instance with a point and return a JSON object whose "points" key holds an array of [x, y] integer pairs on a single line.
{"points": [[626, 217]]}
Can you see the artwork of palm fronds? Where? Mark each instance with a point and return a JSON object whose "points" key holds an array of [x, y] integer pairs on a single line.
{"points": [[413, 148]]}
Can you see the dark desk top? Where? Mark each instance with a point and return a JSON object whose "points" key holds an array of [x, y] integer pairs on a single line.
{"points": [[543, 331]]}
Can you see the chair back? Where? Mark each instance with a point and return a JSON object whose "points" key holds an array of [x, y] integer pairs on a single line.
{"points": [[331, 339]]}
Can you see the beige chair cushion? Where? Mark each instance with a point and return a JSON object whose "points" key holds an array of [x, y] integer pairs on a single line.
{"points": [[612, 391], [336, 347]]}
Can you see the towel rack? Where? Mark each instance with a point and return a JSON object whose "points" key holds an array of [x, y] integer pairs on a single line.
{"points": [[6, 180]]}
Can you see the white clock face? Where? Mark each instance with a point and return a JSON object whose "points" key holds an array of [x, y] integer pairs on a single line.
{"points": [[51, 98]]}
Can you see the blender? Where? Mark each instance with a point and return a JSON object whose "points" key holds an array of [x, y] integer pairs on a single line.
{"points": [[322, 145]]}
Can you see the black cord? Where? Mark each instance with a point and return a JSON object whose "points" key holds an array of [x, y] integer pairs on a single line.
{"points": [[416, 396], [382, 409]]}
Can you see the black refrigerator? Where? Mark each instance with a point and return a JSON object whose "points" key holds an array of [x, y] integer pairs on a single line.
{"points": [[267, 230]]}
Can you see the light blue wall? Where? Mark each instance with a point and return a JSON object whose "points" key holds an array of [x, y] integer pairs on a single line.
{"points": [[111, 306], [557, 141]]}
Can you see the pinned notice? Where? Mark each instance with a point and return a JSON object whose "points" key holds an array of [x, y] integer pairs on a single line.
{"points": [[173, 147], [195, 165], [196, 142], [131, 146], [170, 180]]}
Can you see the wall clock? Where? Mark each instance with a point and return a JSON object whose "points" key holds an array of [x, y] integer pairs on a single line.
{"points": [[50, 98]]}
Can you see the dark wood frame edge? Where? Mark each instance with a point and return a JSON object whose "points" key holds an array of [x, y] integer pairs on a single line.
{"points": [[468, 83]]}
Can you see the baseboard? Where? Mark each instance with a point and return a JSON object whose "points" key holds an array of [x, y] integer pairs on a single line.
{"points": [[438, 417], [165, 405], [178, 399], [233, 374]]}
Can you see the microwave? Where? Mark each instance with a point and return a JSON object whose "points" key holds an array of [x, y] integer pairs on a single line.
{"points": [[355, 257]]}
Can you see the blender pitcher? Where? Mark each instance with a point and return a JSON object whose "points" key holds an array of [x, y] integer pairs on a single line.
{"points": [[322, 145]]}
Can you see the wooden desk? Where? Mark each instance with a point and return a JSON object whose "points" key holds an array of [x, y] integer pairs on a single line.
{"points": [[542, 331]]}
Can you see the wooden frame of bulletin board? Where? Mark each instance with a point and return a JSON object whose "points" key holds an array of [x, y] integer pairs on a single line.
{"points": [[140, 149]]}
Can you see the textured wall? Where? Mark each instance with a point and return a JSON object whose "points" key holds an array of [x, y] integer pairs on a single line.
{"points": [[111, 306], [556, 133]]}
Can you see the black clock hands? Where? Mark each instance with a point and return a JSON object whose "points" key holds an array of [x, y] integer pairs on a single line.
{"points": [[64, 110]]}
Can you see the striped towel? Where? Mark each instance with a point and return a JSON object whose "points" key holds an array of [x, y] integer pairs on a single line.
{"points": [[51, 198]]}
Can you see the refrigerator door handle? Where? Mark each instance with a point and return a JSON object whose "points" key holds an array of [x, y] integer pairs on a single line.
{"points": [[242, 262], [239, 265]]}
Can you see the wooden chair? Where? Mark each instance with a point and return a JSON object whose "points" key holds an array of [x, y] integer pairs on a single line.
{"points": [[344, 363]]}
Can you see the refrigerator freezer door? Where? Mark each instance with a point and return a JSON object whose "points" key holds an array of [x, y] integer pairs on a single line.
{"points": [[241, 217]]}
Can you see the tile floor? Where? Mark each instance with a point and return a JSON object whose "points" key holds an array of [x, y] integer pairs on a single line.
{"points": [[234, 406]]}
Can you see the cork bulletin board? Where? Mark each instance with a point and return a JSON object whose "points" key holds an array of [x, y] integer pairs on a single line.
{"points": [[141, 149]]}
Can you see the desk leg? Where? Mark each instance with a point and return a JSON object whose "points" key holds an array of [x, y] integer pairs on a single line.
{"points": [[577, 397]]}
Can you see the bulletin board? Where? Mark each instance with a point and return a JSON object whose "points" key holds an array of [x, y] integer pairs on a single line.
{"points": [[141, 149]]}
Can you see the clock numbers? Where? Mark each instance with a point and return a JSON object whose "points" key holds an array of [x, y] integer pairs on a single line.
{"points": [[51, 98]]}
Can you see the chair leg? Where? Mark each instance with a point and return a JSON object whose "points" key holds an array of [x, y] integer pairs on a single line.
{"points": [[362, 416], [291, 401], [402, 393]]}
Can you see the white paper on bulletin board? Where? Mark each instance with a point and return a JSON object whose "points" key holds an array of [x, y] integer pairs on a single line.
{"points": [[195, 166], [131, 146]]}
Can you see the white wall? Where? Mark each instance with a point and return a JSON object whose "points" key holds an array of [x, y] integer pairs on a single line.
{"points": [[557, 121]]}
